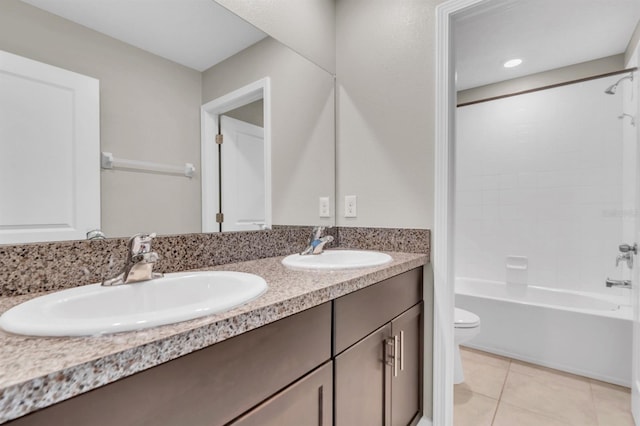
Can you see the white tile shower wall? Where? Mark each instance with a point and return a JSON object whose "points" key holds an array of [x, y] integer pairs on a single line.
{"points": [[540, 175]]}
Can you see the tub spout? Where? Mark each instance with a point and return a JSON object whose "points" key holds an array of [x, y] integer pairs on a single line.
{"points": [[618, 283]]}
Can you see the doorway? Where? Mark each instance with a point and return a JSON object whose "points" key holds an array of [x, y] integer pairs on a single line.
{"points": [[444, 200], [236, 160]]}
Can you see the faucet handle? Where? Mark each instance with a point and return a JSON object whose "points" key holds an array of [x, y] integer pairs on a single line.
{"points": [[317, 231], [626, 248], [141, 243], [150, 257]]}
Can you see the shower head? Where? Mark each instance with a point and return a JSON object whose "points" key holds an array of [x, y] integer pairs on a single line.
{"points": [[611, 90]]}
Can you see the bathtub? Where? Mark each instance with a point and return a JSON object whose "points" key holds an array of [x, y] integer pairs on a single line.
{"points": [[582, 333]]}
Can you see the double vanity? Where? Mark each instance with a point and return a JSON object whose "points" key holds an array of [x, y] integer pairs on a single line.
{"points": [[285, 344], [315, 347]]}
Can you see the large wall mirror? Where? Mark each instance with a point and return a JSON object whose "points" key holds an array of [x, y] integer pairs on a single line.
{"points": [[160, 65]]}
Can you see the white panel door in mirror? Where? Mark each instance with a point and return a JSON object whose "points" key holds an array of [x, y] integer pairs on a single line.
{"points": [[243, 175], [49, 145]]}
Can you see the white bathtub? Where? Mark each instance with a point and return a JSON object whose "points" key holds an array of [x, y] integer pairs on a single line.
{"points": [[581, 333]]}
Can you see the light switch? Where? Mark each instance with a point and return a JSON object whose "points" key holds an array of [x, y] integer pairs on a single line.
{"points": [[324, 207], [350, 206]]}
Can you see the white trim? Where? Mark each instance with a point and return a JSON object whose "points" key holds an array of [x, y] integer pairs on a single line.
{"points": [[444, 212], [210, 112]]}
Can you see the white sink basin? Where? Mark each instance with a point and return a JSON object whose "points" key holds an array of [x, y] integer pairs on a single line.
{"points": [[95, 309], [330, 260]]}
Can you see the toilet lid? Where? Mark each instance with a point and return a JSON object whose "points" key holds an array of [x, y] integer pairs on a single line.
{"points": [[465, 319]]}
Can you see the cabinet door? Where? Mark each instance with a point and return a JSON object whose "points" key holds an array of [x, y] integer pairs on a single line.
{"points": [[362, 382], [308, 402], [407, 373]]}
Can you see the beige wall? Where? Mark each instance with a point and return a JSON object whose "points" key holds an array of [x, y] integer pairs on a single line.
{"points": [[633, 44], [307, 26], [252, 113], [547, 78], [303, 149], [385, 137], [149, 110]]}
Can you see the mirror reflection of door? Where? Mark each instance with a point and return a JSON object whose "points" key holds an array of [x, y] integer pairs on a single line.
{"points": [[242, 182], [236, 160]]}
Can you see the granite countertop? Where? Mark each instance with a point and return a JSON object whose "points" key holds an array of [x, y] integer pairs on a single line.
{"points": [[36, 372]]}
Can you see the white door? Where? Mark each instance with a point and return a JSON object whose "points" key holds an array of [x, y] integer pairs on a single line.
{"points": [[243, 175], [49, 152]]}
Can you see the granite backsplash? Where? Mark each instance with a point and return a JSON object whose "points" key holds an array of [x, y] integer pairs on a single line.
{"points": [[36, 267]]}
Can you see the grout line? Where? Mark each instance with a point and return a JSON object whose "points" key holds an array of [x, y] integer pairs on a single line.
{"points": [[506, 377], [593, 401], [504, 383], [495, 413]]}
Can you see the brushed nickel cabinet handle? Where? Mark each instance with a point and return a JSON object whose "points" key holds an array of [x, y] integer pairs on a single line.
{"points": [[395, 356], [401, 350], [390, 351], [321, 405]]}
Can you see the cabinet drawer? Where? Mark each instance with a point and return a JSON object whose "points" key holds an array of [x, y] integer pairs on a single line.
{"points": [[211, 386], [359, 313], [308, 402]]}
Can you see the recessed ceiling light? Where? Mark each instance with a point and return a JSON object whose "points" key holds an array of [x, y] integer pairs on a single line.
{"points": [[512, 63]]}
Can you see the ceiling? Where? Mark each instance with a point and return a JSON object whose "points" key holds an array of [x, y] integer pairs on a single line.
{"points": [[195, 33], [545, 34]]}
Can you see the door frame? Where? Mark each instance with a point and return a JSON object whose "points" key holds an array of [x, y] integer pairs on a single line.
{"points": [[442, 245], [634, 60], [209, 115]]}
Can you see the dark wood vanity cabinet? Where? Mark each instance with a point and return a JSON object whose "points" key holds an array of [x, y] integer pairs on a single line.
{"points": [[377, 378], [355, 361], [308, 402], [406, 374]]}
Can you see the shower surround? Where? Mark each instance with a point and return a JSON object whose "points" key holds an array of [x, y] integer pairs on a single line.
{"points": [[540, 176]]}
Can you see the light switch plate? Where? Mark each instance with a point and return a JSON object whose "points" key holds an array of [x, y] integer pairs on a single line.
{"points": [[324, 207], [350, 206]]}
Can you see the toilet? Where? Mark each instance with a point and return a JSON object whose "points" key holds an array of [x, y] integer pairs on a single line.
{"points": [[466, 327]]}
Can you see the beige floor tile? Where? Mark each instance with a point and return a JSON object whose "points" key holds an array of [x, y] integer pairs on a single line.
{"points": [[484, 357], [483, 375], [472, 409], [612, 403], [510, 415], [551, 397], [550, 375]]}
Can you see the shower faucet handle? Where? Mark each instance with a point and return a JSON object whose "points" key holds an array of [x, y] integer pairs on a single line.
{"points": [[626, 248], [627, 254]]}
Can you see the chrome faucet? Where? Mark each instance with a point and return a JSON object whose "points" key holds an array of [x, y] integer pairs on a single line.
{"points": [[316, 242], [626, 255], [618, 283], [96, 234], [139, 264]]}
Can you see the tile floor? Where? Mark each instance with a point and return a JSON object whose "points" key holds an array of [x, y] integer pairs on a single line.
{"points": [[500, 391]]}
